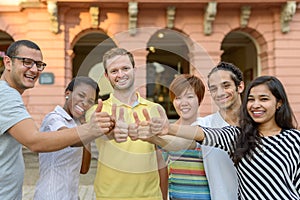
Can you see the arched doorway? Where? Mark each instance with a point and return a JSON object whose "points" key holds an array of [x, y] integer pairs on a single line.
{"points": [[239, 48], [87, 61], [168, 56], [5, 41]]}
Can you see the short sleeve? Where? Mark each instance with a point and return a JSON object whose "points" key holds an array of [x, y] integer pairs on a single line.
{"points": [[12, 108], [52, 122]]}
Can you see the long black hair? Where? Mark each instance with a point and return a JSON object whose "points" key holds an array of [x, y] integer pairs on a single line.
{"points": [[250, 138]]}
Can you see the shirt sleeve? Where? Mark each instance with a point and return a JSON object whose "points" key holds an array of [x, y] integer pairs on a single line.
{"points": [[223, 138], [52, 122], [12, 109]]}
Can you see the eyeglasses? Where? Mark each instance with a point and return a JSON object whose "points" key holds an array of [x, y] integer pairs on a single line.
{"points": [[28, 62]]}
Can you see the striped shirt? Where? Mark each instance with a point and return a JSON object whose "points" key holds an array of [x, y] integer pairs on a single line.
{"points": [[273, 172], [187, 179], [59, 170]]}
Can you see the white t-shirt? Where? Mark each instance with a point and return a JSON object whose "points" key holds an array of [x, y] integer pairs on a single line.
{"points": [[219, 168]]}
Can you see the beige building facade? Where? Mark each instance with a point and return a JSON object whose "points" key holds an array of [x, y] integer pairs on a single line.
{"points": [[166, 37]]}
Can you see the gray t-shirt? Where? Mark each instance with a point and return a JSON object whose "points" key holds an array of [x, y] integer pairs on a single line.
{"points": [[11, 158]]}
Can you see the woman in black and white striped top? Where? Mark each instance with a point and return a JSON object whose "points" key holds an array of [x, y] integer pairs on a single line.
{"points": [[265, 148]]}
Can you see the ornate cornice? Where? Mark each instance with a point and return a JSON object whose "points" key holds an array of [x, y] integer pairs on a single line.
{"points": [[94, 14], [171, 10], [245, 15], [53, 11], [287, 13], [209, 17], [132, 20]]}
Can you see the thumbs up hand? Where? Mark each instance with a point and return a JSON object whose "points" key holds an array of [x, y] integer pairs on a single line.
{"points": [[133, 128], [140, 129], [120, 131], [160, 125], [150, 127], [100, 122]]}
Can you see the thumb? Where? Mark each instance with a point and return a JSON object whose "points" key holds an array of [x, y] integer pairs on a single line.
{"points": [[136, 118], [146, 115], [161, 112], [100, 105], [121, 115], [114, 111]]}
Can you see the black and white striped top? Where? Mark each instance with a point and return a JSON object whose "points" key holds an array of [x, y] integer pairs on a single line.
{"points": [[273, 173]]}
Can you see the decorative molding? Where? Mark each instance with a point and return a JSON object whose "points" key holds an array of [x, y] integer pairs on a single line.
{"points": [[31, 4], [94, 14], [245, 15], [132, 21], [209, 17], [287, 13], [171, 10], [53, 11]]}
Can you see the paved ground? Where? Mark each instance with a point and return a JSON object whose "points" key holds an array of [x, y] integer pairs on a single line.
{"points": [[86, 190]]}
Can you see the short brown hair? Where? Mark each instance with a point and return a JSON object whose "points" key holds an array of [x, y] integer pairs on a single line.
{"points": [[186, 81], [116, 52]]}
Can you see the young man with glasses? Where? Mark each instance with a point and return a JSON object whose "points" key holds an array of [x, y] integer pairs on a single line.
{"points": [[23, 65]]}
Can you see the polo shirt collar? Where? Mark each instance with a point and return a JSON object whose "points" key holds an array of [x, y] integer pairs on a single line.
{"points": [[112, 99]]}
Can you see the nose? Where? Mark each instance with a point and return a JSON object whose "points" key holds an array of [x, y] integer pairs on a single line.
{"points": [[120, 73], [184, 101], [220, 91], [34, 68], [256, 104], [85, 103]]}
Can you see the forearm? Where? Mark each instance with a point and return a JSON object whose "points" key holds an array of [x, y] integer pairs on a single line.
{"points": [[27, 133], [163, 174], [187, 131], [172, 143], [53, 141], [86, 159]]}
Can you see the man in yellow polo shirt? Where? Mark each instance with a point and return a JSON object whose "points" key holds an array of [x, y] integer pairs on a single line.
{"points": [[127, 168]]}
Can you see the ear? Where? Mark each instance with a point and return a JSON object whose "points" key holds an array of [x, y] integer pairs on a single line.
{"points": [[7, 63], [278, 104], [241, 87], [67, 93]]}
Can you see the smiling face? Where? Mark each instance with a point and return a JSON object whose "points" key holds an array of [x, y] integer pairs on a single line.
{"points": [[21, 77], [186, 105], [120, 72], [223, 90], [80, 100], [262, 105]]}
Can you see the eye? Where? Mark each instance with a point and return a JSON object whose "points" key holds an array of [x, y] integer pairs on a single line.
{"points": [[226, 86], [91, 102], [39, 64], [28, 62], [212, 89], [264, 99], [250, 99], [177, 98]]}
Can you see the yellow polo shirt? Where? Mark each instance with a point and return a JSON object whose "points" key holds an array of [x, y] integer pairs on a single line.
{"points": [[127, 170]]}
